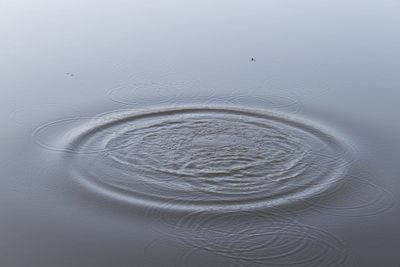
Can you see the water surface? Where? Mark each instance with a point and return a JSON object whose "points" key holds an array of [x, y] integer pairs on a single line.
{"points": [[142, 133]]}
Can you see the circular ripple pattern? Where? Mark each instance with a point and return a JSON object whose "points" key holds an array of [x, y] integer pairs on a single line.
{"points": [[261, 239], [206, 157]]}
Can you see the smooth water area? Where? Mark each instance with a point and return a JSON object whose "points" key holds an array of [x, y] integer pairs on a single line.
{"points": [[142, 133]]}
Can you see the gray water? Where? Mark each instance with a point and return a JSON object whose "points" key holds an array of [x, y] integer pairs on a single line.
{"points": [[141, 133]]}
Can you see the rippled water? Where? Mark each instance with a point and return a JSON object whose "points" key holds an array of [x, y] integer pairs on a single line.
{"points": [[223, 157], [141, 134], [227, 180]]}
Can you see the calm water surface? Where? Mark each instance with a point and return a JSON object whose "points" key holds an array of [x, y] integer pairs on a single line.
{"points": [[141, 133]]}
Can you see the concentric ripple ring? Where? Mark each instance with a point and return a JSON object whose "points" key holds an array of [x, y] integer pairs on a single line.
{"points": [[206, 157]]}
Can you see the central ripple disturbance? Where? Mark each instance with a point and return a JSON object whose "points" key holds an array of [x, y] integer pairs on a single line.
{"points": [[208, 157]]}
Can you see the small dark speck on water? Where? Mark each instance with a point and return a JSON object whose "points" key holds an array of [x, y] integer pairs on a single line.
{"points": [[69, 74], [253, 59]]}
